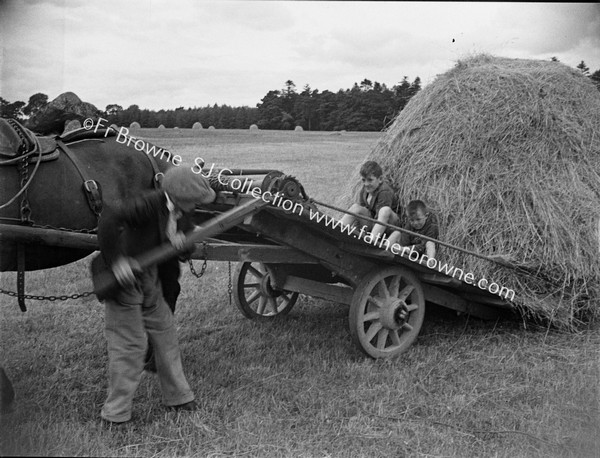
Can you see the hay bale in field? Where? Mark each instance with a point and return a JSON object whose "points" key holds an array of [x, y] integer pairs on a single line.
{"points": [[211, 127], [134, 125], [254, 127], [176, 128], [197, 125], [298, 129], [162, 126], [507, 152]]}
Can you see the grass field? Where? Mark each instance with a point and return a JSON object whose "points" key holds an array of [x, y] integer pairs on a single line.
{"points": [[296, 386]]}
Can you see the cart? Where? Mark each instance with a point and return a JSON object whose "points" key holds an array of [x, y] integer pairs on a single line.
{"points": [[283, 252]]}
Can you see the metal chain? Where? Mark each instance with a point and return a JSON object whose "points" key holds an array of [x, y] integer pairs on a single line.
{"points": [[23, 168], [63, 297], [204, 264], [229, 285], [202, 269]]}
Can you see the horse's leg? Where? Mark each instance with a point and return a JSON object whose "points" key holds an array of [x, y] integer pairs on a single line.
{"points": [[7, 393]]}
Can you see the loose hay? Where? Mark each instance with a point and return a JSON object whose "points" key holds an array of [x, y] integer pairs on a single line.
{"points": [[506, 151]]}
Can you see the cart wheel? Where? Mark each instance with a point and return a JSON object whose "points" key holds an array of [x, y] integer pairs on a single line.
{"points": [[387, 312], [254, 295]]}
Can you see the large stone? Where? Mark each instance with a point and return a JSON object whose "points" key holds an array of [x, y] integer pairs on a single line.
{"points": [[51, 119]]}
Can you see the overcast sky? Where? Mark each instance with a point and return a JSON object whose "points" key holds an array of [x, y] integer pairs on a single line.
{"points": [[166, 54]]}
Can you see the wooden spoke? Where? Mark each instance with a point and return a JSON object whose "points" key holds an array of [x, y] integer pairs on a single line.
{"points": [[375, 301], [257, 273], [261, 305], [406, 291], [411, 307], [371, 316], [407, 327], [251, 285], [382, 289], [395, 337], [253, 297], [373, 329], [395, 286], [382, 338], [273, 304]]}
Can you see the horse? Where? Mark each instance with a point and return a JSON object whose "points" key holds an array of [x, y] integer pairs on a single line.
{"points": [[63, 183]]}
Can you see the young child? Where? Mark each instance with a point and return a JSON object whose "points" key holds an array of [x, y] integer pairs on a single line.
{"points": [[421, 221], [376, 200]]}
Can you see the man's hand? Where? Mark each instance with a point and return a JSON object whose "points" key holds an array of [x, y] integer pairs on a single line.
{"points": [[178, 240], [123, 271]]}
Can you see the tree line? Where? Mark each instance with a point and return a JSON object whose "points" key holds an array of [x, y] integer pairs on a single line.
{"points": [[368, 106]]}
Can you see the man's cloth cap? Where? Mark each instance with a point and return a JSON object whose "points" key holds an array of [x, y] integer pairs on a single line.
{"points": [[185, 186]]}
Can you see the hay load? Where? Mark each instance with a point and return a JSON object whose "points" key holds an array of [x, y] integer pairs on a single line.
{"points": [[507, 152]]}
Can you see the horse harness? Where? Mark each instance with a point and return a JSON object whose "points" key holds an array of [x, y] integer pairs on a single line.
{"points": [[22, 147]]}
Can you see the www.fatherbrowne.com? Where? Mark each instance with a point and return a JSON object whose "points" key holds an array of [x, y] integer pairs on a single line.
{"points": [[413, 255]]}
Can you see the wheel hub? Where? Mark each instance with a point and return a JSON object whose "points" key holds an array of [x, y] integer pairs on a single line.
{"points": [[394, 314], [265, 287]]}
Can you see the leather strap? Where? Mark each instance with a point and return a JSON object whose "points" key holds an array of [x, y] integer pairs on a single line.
{"points": [[91, 188]]}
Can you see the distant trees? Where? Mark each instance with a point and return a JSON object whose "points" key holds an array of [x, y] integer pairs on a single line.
{"points": [[366, 106]]}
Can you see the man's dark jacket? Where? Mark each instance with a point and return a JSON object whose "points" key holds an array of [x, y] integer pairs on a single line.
{"points": [[136, 226]]}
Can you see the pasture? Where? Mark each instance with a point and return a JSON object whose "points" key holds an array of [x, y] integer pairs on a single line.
{"points": [[295, 386]]}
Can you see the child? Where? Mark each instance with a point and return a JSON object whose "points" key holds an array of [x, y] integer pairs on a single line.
{"points": [[421, 221], [376, 200]]}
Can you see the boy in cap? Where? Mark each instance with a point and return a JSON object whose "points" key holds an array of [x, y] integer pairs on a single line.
{"points": [[139, 307]]}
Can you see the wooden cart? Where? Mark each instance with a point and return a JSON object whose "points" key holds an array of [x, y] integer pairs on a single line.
{"points": [[283, 254]]}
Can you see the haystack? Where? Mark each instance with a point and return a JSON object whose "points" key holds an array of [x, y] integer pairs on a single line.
{"points": [[254, 127], [299, 129], [162, 126], [134, 125], [507, 153], [211, 127], [197, 125]]}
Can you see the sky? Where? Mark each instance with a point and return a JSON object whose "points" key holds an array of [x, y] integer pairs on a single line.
{"points": [[163, 54]]}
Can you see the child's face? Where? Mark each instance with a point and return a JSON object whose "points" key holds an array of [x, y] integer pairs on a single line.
{"points": [[371, 183], [417, 219]]}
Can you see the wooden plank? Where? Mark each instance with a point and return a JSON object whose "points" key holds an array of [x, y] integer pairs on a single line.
{"points": [[350, 266], [449, 300], [335, 293], [488, 299], [249, 252], [440, 279], [53, 237]]}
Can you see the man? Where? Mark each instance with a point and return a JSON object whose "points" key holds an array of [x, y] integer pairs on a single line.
{"points": [[139, 308]]}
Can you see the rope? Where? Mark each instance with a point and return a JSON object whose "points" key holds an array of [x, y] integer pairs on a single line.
{"points": [[414, 234], [24, 188]]}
